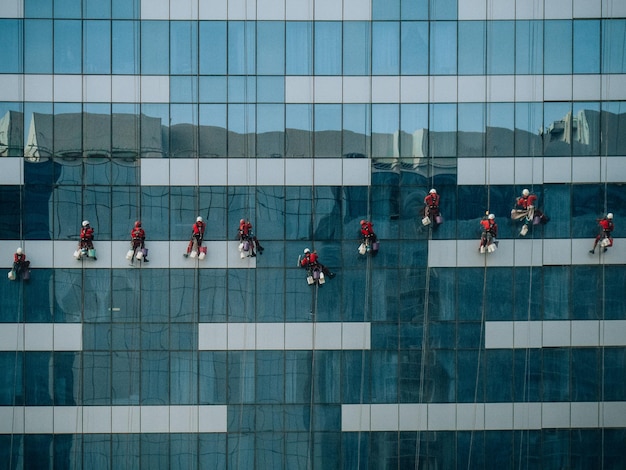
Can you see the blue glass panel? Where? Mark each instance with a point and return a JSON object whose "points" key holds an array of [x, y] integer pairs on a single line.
{"points": [[585, 114], [213, 47], [441, 335], [498, 382], [470, 377], [66, 450], [556, 374], [385, 382], [471, 126], [212, 380], [270, 48], [67, 46], [529, 38], [67, 8], [443, 48], [556, 448], [298, 129], [528, 129], [38, 46], [270, 378], [612, 118], [183, 296], [614, 278], [558, 206], [443, 9], [410, 384], [327, 121], [500, 47], [587, 368], [498, 306], [97, 451], [442, 295], [586, 46], [414, 9], [97, 378], [125, 288], [470, 335], [125, 47], [38, 8], [356, 132], [268, 418], [557, 59], [470, 283], [589, 207], [241, 126], [97, 47], [184, 47], [12, 374], [298, 205], [12, 52], [155, 336], [184, 89], [299, 48], [212, 295], [356, 450], [155, 53], [38, 308], [472, 48], [125, 8], [240, 450], [499, 449], [500, 130], [212, 450], [443, 129], [155, 451], [241, 377], [38, 451], [298, 366], [527, 375], [155, 214], [183, 378], [385, 48], [356, 52], [155, 378], [328, 47], [297, 418], [270, 130], [271, 90], [385, 9], [326, 370], [9, 217], [241, 48], [586, 293], [613, 31], [241, 295], [96, 336], [326, 448], [385, 125], [212, 132], [125, 336], [97, 9], [528, 286], [184, 450], [270, 287], [384, 449]]}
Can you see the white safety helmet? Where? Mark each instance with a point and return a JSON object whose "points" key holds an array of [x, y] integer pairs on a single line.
{"points": [[199, 219], [491, 217], [85, 223], [19, 250], [363, 221], [525, 192], [609, 215], [306, 251], [241, 221], [433, 191]]}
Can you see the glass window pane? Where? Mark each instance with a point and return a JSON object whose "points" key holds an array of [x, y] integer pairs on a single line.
{"points": [[472, 60], [443, 48], [500, 47], [356, 132], [386, 48], [155, 47], [528, 129], [97, 47], [96, 383], [356, 51], [38, 8], [414, 48], [184, 47], [155, 381], [500, 136], [586, 128], [529, 37], [125, 9], [385, 124], [38, 46], [125, 47], [613, 33], [557, 128], [613, 120], [558, 47], [298, 130], [67, 46], [385, 9], [586, 46], [327, 130], [270, 132], [156, 215], [154, 130], [270, 48], [241, 48], [270, 213], [241, 130], [299, 48], [443, 127], [328, 47], [96, 9], [213, 47], [11, 52], [471, 142], [443, 9]]}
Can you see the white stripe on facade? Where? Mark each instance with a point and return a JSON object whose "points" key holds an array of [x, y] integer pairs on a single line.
{"points": [[113, 419], [41, 337], [554, 334], [482, 416], [284, 336]]}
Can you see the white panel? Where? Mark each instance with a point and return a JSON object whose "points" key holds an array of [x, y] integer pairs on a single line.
{"points": [[615, 169], [498, 335], [96, 419], [470, 416], [270, 10], [38, 337], [38, 252], [212, 418], [555, 415], [471, 171], [126, 419], [327, 89], [328, 10], [501, 170], [356, 89], [501, 10], [213, 171], [183, 418], [11, 420], [614, 333], [327, 335], [528, 87], [11, 87], [183, 10], [299, 10], [356, 171], [11, 170], [155, 9], [299, 172], [270, 172], [213, 10], [212, 336], [12, 9], [270, 336], [234, 257], [299, 336], [242, 171], [581, 255], [38, 420], [442, 417], [155, 172], [97, 88], [182, 171], [468, 253], [613, 414], [499, 416], [414, 89], [528, 170], [384, 417], [385, 89], [557, 170], [155, 89], [357, 10], [557, 252], [327, 171], [68, 88], [527, 415], [528, 252], [587, 8], [529, 10], [356, 336], [613, 8], [585, 415], [155, 419], [557, 87], [556, 334], [500, 88], [442, 253], [443, 89], [12, 336], [38, 88], [413, 417], [355, 418], [585, 333], [241, 9], [472, 10], [242, 336], [472, 89], [298, 89], [68, 336], [125, 88], [586, 88], [527, 334], [68, 419], [558, 9]]}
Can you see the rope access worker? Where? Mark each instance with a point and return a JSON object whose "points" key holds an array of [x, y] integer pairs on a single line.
{"points": [[20, 265], [604, 237], [86, 240], [489, 234], [431, 209], [138, 242], [367, 232], [525, 208], [247, 234], [310, 260], [197, 236]]}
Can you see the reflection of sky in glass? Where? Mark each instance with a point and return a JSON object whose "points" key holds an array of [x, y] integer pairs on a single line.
{"points": [[270, 118], [500, 115], [528, 117], [213, 115], [442, 117], [327, 117], [241, 118], [472, 117], [299, 116], [355, 118], [385, 118]]}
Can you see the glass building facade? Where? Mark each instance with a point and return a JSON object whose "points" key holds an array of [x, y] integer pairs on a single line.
{"points": [[306, 116]]}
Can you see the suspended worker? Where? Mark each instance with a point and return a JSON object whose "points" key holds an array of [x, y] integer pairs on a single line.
{"points": [[20, 265], [85, 246], [604, 237], [430, 210], [246, 234], [489, 234], [138, 242], [310, 261], [197, 237], [369, 241], [526, 210]]}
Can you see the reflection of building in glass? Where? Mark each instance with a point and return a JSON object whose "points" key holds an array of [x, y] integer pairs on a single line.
{"points": [[11, 134]]}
